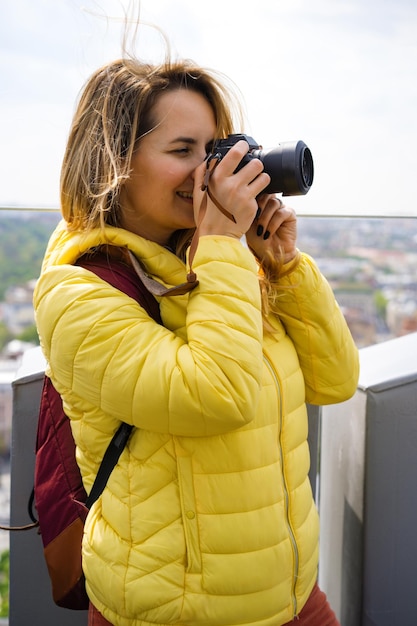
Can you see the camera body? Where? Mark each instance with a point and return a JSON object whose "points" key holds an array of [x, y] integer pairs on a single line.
{"points": [[290, 164]]}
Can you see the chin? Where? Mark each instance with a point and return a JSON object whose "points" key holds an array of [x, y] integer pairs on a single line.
{"points": [[187, 222]]}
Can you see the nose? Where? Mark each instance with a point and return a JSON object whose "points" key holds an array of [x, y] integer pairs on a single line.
{"points": [[198, 161]]}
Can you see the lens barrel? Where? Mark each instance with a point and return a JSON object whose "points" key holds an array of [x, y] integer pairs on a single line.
{"points": [[290, 166]]}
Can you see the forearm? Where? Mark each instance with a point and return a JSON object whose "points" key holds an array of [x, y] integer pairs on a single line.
{"points": [[312, 318]]}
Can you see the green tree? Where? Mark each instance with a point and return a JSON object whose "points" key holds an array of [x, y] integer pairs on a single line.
{"points": [[23, 239], [380, 302], [30, 334], [4, 583]]}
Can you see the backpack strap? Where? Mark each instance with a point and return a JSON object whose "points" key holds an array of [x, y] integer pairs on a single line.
{"points": [[120, 268], [110, 458]]}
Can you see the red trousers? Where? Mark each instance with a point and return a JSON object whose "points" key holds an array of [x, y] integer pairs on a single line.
{"points": [[317, 612]]}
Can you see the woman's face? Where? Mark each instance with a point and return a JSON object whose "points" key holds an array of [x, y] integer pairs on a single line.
{"points": [[157, 199]]}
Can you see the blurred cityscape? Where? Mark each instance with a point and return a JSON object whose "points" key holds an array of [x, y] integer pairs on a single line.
{"points": [[372, 267], [371, 264]]}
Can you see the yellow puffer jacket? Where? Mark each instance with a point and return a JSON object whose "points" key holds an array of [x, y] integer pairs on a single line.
{"points": [[208, 519]]}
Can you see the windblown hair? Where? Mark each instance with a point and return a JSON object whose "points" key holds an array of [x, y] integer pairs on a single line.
{"points": [[115, 110]]}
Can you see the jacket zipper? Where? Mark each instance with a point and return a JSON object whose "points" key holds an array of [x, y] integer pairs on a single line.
{"points": [[286, 493]]}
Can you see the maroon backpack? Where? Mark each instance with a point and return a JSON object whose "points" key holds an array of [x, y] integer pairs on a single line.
{"points": [[59, 496]]}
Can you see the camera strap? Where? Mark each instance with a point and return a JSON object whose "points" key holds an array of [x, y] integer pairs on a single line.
{"points": [[211, 163]]}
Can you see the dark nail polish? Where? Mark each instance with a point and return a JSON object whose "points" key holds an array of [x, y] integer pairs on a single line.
{"points": [[267, 233], [259, 230], [258, 212]]}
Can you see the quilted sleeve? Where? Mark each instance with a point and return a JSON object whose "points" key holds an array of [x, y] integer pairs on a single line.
{"points": [[201, 379], [312, 318]]}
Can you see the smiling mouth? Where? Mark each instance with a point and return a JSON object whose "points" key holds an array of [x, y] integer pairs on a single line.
{"points": [[185, 194]]}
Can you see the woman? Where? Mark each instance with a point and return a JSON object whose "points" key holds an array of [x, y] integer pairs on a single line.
{"points": [[208, 518]]}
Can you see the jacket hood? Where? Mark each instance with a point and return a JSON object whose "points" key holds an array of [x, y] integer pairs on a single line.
{"points": [[66, 246]]}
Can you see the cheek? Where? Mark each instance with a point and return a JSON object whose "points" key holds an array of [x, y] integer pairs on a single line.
{"points": [[175, 173], [173, 176]]}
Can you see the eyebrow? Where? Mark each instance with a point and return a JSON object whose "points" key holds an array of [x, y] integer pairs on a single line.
{"points": [[192, 142], [188, 140]]}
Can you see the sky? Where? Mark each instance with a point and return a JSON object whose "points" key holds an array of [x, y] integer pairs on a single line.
{"points": [[341, 75]]}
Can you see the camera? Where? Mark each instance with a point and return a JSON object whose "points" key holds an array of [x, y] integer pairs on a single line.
{"points": [[290, 164]]}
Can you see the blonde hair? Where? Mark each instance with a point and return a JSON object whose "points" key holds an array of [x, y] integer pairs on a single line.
{"points": [[114, 111]]}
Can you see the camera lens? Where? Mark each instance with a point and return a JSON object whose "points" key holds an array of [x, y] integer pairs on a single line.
{"points": [[290, 166]]}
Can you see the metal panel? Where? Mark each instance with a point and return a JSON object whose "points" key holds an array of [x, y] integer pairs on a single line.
{"points": [[368, 494]]}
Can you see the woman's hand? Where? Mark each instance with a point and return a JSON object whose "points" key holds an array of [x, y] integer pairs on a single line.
{"points": [[235, 192], [275, 230]]}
